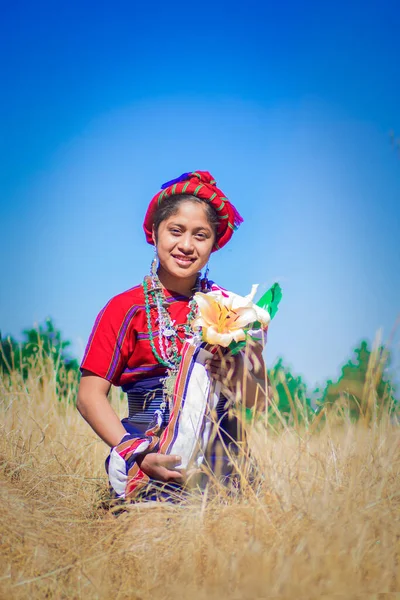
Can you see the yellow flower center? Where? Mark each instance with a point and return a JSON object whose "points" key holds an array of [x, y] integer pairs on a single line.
{"points": [[226, 319]]}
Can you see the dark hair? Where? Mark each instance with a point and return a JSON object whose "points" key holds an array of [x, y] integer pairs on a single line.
{"points": [[170, 206]]}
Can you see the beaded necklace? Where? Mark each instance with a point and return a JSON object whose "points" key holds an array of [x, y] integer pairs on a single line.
{"points": [[169, 355]]}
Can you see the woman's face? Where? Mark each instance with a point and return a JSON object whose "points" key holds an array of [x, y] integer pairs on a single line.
{"points": [[185, 240]]}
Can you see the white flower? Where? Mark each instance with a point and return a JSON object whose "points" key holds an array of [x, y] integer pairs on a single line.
{"points": [[224, 315]]}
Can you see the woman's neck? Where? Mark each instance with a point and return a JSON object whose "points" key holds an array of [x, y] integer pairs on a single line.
{"points": [[176, 284]]}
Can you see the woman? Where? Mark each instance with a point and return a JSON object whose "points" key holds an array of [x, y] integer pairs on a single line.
{"points": [[137, 339]]}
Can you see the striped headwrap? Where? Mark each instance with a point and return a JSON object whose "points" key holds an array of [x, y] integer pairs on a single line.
{"points": [[202, 185]]}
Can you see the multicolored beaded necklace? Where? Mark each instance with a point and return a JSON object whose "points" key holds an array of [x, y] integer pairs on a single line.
{"points": [[169, 355]]}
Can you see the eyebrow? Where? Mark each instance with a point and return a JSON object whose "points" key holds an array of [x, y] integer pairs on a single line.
{"points": [[197, 229]]}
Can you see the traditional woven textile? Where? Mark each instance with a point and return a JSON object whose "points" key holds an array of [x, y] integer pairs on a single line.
{"points": [[119, 349], [195, 397], [188, 431], [202, 185]]}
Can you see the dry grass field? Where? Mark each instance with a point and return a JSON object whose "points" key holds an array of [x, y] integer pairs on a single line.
{"points": [[322, 518]]}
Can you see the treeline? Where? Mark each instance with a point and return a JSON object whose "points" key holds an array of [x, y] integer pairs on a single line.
{"points": [[364, 386], [363, 389], [42, 350]]}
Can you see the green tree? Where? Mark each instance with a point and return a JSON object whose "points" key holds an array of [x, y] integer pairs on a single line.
{"points": [[40, 348], [47, 340], [363, 383]]}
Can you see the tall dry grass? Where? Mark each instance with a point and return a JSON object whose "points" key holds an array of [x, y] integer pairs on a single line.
{"points": [[321, 518]]}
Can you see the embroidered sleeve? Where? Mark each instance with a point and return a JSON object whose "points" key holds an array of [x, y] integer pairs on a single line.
{"points": [[111, 342]]}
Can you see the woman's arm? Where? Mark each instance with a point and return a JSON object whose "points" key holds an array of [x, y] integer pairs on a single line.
{"points": [[244, 373], [252, 382], [95, 408]]}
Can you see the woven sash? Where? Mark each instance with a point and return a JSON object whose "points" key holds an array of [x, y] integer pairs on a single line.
{"points": [[189, 426]]}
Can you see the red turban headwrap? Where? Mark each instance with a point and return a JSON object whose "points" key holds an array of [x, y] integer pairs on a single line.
{"points": [[202, 185]]}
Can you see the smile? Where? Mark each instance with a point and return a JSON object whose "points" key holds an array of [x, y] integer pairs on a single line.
{"points": [[183, 260]]}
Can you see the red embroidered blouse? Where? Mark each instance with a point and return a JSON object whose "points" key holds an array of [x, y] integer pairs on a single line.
{"points": [[119, 348]]}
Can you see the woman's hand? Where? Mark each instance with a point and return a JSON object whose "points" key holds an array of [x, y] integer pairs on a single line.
{"points": [[226, 368], [239, 372], [161, 467]]}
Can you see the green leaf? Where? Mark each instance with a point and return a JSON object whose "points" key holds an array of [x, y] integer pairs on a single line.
{"points": [[235, 347], [270, 300]]}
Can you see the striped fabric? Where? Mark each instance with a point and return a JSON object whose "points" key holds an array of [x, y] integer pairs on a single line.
{"points": [[193, 430], [145, 398]]}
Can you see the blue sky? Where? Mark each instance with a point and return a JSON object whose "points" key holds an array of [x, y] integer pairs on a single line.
{"points": [[290, 107]]}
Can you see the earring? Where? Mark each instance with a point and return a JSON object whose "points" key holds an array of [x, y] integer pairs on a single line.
{"points": [[207, 271], [204, 280], [154, 264]]}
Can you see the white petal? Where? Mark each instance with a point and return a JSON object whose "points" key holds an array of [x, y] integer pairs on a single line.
{"points": [[244, 316], [237, 301], [212, 336], [216, 295], [199, 322], [208, 307], [253, 292], [262, 315], [239, 335]]}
